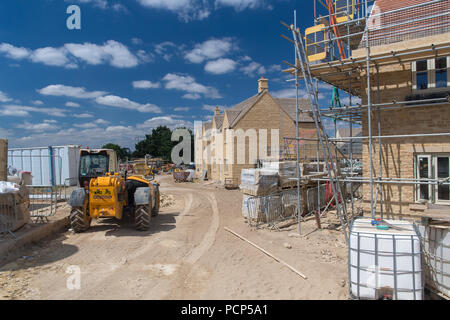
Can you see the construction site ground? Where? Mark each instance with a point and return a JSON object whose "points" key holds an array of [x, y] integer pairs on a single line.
{"points": [[186, 254]]}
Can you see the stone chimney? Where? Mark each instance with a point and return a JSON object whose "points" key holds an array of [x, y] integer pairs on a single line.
{"points": [[263, 84], [217, 111]]}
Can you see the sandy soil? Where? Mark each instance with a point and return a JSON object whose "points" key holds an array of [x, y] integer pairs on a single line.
{"points": [[186, 254]]}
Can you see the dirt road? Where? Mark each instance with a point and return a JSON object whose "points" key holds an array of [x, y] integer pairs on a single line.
{"points": [[186, 254]]}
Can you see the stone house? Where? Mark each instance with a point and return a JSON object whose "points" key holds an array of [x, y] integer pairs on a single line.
{"points": [[261, 113]]}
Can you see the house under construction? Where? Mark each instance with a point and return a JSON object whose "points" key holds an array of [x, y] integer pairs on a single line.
{"points": [[391, 59]]}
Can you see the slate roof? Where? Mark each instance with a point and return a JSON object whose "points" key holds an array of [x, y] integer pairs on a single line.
{"points": [[219, 121], [287, 104], [239, 110]]}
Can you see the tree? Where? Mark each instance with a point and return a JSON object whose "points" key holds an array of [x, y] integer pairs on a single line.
{"points": [[122, 153], [158, 144]]}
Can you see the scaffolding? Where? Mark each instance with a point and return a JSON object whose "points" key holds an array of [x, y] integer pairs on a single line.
{"points": [[342, 49]]}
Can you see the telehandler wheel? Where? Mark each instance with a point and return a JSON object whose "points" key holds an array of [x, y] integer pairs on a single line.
{"points": [[142, 217], [78, 221], [155, 209]]}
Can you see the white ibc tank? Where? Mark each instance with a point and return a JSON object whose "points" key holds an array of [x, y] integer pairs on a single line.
{"points": [[385, 263], [436, 248]]}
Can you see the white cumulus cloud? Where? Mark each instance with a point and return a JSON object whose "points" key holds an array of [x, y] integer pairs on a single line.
{"points": [[69, 91], [187, 10], [112, 52], [4, 97], [69, 55], [24, 111], [240, 5], [72, 104], [82, 115], [46, 125], [16, 53], [185, 109], [145, 84], [220, 66], [119, 102], [254, 69], [188, 84], [168, 121], [210, 49]]}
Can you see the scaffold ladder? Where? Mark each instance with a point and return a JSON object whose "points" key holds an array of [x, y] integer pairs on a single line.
{"points": [[341, 208]]}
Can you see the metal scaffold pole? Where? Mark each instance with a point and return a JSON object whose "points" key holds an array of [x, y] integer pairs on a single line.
{"points": [[299, 211], [369, 112], [324, 143]]}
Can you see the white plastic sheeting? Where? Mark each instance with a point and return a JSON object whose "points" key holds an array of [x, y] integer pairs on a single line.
{"points": [[7, 187], [191, 176]]}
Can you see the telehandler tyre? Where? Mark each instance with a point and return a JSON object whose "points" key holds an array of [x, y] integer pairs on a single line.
{"points": [[78, 221], [142, 217], [155, 209]]}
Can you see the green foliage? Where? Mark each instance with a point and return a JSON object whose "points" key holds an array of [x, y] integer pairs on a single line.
{"points": [[158, 144], [122, 153]]}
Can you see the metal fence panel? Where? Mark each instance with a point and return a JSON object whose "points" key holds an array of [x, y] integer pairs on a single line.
{"points": [[8, 217], [271, 209], [43, 201], [314, 200], [48, 186], [289, 202]]}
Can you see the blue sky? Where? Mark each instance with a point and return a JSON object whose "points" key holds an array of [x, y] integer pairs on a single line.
{"points": [[134, 65]]}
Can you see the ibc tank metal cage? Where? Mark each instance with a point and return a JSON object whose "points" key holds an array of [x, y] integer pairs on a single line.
{"points": [[404, 247]]}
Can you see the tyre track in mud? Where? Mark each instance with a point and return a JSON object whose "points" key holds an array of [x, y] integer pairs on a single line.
{"points": [[137, 273]]}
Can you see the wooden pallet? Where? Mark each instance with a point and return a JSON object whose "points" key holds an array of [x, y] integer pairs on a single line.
{"points": [[231, 184], [290, 185]]}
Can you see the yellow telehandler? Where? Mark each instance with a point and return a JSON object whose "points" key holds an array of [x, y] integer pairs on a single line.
{"points": [[105, 193]]}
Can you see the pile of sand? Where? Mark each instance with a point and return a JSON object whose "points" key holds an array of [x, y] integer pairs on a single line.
{"points": [[167, 200]]}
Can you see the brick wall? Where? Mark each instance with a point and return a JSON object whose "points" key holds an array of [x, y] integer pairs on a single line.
{"points": [[395, 83]]}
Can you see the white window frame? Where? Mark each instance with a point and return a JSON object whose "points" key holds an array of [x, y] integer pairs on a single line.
{"points": [[430, 175], [435, 165], [431, 67]]}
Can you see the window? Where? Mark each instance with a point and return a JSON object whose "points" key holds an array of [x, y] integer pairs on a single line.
{"points": [[431, 74], [441, 72], [442, 172], [433, 167], [93, 164], [422, 75]]}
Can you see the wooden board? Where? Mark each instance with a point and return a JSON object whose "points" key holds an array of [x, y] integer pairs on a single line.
{"points": [[437, 214]]}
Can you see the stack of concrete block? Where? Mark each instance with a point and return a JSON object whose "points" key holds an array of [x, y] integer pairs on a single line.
{"points": [[14, 207], [287, 170], [259, 182]]}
